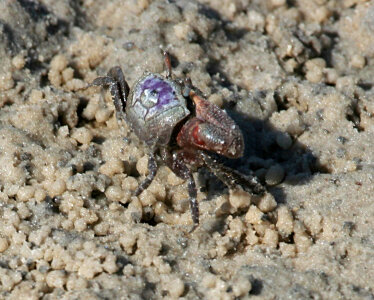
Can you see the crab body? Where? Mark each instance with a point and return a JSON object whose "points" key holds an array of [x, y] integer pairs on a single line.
{"points": [[154, 108], [174, 121]]}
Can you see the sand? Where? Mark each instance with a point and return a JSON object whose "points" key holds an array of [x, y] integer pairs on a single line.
{"points": [[297, 76]]}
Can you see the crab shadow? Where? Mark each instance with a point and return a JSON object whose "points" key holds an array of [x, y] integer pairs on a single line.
{"points": [[261, 147], [262, 151]]}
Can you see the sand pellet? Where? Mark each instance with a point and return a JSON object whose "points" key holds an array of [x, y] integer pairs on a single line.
{"points": [[25, 193], [147, 198], [129, 184], [109, 264], [270, 238], [75, 282], [142, 165], [3, 244], [267, 203], [59, 63], [111, 167], [239, 198], [251, 236], [19, 61], [36, 96], [57, 187], [254, 215], [315, 68], [89, 268], [80, 224], [241, 286], [182, 31], [56, 279], [302, 240], [103, 115], [175, 287], [276, 3], [287, 250], [285, 221], [82, 135], [67, 74], [6, 81], [357, 61], [114, 193]]}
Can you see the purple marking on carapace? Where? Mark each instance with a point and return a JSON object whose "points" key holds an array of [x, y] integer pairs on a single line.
{"points": [[163, 88]]}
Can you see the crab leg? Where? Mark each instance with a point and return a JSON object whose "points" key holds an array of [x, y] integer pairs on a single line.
{"points": [[117, 74], [152, 167], [194, 205], [118, 87], [232, 178], [177, 163]]}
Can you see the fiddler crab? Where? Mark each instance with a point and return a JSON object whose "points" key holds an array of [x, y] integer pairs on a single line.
{"points": [[179, 127]]}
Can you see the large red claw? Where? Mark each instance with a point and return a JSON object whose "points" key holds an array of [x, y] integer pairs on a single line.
{"points": [[212, 129]]}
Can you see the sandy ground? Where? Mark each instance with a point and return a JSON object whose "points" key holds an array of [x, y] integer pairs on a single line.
{"points": [[297, 76]]}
